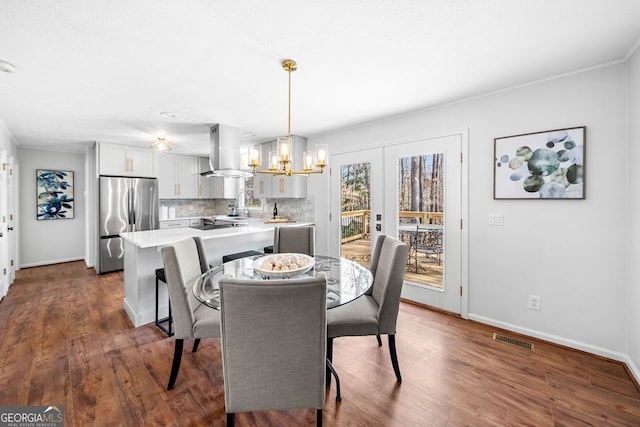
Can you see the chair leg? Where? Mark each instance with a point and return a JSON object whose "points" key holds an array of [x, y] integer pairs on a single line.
{"points": [[170, 321], [175, 367], [196, 343], [379, 340], [394, 357], [329, 358], [231, 419], [335, 374], [319, 417]]}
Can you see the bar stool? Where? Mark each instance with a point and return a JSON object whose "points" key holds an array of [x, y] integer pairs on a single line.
{"points": [[239, 255], [160, 277]]}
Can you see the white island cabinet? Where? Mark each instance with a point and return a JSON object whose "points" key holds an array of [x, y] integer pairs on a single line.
{"points": [[142, 256]]}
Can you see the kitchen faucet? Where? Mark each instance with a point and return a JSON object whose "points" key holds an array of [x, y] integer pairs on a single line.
{"points": [[241, 203]]}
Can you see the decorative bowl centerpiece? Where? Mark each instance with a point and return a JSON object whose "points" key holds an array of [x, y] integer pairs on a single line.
{"points": [[281, 266]]}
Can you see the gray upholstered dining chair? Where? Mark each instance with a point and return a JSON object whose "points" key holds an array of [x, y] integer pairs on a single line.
{"points": [[295, 239], [184, 262], [376, 312], [273, 337]]}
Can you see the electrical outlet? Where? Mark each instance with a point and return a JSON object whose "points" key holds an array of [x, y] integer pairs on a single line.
{"points": [[496, 219], [534, 302]]}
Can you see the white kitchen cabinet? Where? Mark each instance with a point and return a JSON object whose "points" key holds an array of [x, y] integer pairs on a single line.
{"points": [[122, 160], [178, 177], [267, 186], [262, 181], [174, 223]]}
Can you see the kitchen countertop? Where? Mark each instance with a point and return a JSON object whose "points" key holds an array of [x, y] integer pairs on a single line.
{"points": [[153, 238], [219, 217]]}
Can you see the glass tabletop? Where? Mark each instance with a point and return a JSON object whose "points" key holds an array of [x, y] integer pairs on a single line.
{"points": [[346, 280]]}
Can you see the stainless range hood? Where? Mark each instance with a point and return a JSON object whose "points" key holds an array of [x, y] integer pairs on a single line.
{"points": [[224, 153]]}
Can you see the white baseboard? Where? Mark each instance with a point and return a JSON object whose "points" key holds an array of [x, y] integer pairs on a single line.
{"points": [[51, 261], [600, 351], [139, 319], [633, 369]]}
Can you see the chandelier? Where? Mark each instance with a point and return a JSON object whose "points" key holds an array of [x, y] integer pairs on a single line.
{"points": [[280, 162], [161, 145]]}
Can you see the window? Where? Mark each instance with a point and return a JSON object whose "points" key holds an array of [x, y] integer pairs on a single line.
{"points": [[250, 201]]}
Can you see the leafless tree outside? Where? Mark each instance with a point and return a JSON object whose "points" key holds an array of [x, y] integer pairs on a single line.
{"points": [[421, 186]]}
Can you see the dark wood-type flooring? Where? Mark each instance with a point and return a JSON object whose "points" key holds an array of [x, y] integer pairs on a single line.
{"points": [[65, 340]]}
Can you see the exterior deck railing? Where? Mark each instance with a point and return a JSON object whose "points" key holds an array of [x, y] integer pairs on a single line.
{"points": [[355, 225]]}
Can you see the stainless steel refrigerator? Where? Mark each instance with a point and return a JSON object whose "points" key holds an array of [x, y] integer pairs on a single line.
{"points": [[126, 204]]}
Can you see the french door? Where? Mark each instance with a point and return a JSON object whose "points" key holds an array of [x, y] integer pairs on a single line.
{"points": [[412, 191], [356, 204]]}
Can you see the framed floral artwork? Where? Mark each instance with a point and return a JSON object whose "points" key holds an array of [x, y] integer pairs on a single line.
{"points": [[54, 194], [540, 165]]}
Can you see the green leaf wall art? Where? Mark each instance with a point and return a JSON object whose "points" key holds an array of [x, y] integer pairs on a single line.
{"points": [[540, 165]]}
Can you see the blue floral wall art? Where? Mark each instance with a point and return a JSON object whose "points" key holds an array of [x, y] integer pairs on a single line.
{"points": [[540, 165], [54, 192]]}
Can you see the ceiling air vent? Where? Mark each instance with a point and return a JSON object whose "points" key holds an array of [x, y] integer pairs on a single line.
{"points": [[513, 341]]}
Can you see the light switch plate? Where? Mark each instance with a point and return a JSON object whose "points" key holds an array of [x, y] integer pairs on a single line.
{"points": [[496, 219]]}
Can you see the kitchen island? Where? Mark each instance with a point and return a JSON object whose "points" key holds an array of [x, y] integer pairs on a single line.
{"points": [[142, 256]]}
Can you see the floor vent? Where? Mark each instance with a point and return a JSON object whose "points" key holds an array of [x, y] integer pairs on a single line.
{"points": [[513, 341]]}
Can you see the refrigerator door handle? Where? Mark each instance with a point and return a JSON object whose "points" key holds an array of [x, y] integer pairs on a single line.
{"points": [[132, 210]]}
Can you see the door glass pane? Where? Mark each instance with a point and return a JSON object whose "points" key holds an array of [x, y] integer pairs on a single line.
{"points": [[420, 216], [355, 212]]}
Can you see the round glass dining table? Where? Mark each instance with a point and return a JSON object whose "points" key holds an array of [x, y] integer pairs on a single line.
{"points": [[346, 280]]}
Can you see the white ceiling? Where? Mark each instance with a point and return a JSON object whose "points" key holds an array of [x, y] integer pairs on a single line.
{"points": [[90, 70]]}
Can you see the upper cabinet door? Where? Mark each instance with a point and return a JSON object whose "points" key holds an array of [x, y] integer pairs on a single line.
{"points": [[121, 160], [167, 180], [288, 187], [178, 177], [262, 181], [143, 161], [187, 176]]}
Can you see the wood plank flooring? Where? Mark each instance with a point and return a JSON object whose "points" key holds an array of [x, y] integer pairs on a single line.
{"points": [[65, 340]]}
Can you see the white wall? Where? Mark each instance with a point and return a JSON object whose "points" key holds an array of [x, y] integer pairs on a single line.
{"points": [[91, 202], [633, 298], [53, 241], [570, 252], [6, 141]]}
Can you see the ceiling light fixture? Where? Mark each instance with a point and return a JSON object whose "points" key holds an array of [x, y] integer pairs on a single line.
{"points": [[161, 145], [280, 161], [6, 67]]}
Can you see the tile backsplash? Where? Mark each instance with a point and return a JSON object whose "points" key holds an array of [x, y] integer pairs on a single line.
{"points": [[295, 209]]}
